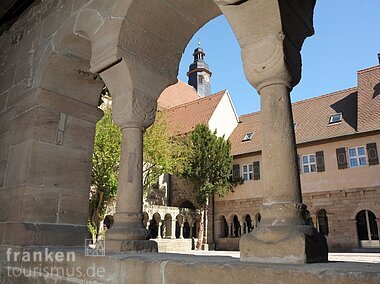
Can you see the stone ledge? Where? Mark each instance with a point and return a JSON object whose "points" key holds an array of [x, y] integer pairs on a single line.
{"points": [[181, 268]]}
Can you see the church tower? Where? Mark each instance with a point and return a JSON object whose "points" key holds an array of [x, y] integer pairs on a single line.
{"points": [[199, 73]]}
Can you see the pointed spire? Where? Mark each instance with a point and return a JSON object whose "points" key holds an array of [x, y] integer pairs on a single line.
{"points": [[199, 42]]}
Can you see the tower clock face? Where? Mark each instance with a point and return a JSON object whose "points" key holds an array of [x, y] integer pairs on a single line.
{"points": [[206, 77]]}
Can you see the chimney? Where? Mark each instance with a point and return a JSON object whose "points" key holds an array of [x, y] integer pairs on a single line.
{"points": [[378, 57]]}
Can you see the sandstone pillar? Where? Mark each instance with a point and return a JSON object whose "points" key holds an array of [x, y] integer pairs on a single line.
{"points": [[181, 231], [159, 230], [271, 34], [133, 111]]}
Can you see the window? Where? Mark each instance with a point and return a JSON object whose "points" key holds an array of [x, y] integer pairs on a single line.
{"points": [[357, 157], [335, 118], [308, 164], [200, 79], [368, 233], [248, 136], [248, 172]]}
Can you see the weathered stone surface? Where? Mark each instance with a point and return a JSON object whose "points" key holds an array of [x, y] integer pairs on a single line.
{"points": [[3, 101], [73, 207], [40, 234], [18, 164], [18, 93], [28, 44], [6, 79], [61, 167], [5, 143], [56, 18], [3, 168], [79, 134], [38, 197], [11, 204], [37, 123]]}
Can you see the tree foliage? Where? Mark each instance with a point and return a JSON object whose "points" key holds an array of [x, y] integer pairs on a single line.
{"points": [[209, 164], [105, 170], [162, 153], [208, 168]]}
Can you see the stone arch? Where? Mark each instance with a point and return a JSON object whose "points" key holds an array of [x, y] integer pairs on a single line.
{"points": [[370, 207]]}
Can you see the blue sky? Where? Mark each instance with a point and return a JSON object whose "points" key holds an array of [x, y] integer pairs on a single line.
{"points": [[346, 39]]}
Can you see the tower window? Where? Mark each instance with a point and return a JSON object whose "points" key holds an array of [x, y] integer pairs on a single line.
{"points": [[200, 79], [248, 136], [335, 118]]}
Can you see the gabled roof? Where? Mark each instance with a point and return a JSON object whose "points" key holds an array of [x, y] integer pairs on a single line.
{"points": [[360, 108], [177, 94], [182, 119]]}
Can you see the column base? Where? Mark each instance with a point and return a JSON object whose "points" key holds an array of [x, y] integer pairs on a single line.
{"points": [[284, 244], [129, 239], [131, 246]]}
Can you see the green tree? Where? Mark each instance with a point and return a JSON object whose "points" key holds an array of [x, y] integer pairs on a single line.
{"points": [[162, 154], [208, 168], [105, 170]]}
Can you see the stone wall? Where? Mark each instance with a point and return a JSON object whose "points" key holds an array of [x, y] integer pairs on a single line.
{"points": [[48, 111], [341, 206]]}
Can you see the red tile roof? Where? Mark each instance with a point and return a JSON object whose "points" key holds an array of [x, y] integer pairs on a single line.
{"points": [[360, 108], [177, 94], [369, 99], [182, 119]]}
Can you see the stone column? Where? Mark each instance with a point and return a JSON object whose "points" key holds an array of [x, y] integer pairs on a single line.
{"points": [[147, 225], [133, 111], [272, 64], [159, 230], [181, 231]]}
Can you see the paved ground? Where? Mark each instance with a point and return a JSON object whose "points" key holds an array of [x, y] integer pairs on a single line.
{"points": [[349, 257]]}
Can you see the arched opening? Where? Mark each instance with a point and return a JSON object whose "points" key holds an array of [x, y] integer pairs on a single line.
{"points": [[236, 227], [167, 224], [323, 225], [248, 227], [224, 227], [154, 226], [186, 230], [368, 233]]}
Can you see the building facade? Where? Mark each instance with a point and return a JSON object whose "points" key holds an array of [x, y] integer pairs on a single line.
{"points": [[338, 138]]}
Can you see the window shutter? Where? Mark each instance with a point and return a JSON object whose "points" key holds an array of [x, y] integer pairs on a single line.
{"points": [[320, 161], [256, 170], [373, 158], [341, 158], [236, 171]]}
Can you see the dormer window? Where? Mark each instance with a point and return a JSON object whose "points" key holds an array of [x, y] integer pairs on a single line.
{"points": [[247, 136], [335, 118]]}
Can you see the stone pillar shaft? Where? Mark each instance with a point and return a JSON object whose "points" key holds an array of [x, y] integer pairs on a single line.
{"points": [[129, 233], [281, 183], [173, 229]]}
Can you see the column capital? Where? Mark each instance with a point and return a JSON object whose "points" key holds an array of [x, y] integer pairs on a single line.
{"points": [[131, 107], [270, 34]]}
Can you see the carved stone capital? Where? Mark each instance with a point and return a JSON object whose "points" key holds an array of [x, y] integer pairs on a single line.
{"points": [[272, 60], [131, 107]]}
